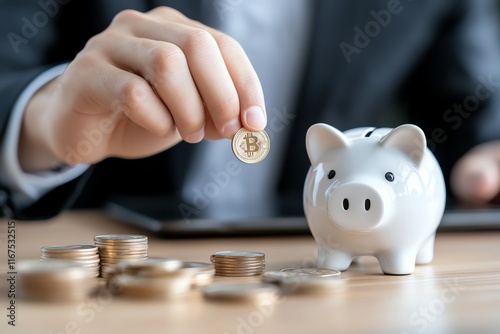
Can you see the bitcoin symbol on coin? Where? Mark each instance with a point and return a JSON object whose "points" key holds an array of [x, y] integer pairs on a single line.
{"points": [[252, 144], [250, 147]]}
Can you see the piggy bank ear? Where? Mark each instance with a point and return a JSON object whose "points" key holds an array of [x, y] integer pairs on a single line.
{"points": [[323, 137], [409, 139]]}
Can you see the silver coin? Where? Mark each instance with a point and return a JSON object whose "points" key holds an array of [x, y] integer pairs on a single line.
{"points": [[51, 266], [203, 272], [238, 254], [152, 287], [120, 238], [53, 280], [305, 280], [69, 249], [238, 263], [313, 272], [240, 292], [238, 266], [198, 265], [239, 271], [276, 276], [121, 253], [237, 274], [149, 265], [65, 256]]}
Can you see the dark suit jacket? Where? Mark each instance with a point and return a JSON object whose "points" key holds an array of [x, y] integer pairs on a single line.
{"points": [[428, 59]]}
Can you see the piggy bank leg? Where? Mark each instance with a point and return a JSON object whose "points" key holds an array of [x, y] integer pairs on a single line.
{"points": [[400, 262], [426, 251], [333, 259]]}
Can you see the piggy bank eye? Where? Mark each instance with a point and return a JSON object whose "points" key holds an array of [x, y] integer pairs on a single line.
{"points": [[331, 174], [389, 176]]}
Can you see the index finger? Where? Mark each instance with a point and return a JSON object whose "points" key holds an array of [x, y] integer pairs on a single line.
{"points": [[253, 114], [248, 87]]}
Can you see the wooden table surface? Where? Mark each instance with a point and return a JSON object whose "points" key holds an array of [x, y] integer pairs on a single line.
{"points": [[458, 293]]}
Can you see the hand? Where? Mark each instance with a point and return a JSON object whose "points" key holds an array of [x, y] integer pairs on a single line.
{"points": [[138, 88], [476, 176]]}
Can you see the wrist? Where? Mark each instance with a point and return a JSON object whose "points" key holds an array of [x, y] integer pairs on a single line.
{"points": [[35, 153]]}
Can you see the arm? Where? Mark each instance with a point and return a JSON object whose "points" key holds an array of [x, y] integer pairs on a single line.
{"points": [[23, 52], [146, 82], [137, 92], [26, 188]]}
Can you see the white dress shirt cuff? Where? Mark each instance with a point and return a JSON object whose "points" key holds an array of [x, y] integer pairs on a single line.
{"points": [[27, 188]]}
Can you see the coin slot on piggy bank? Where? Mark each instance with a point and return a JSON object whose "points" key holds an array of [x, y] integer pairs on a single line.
{"points": [[373, 191]]}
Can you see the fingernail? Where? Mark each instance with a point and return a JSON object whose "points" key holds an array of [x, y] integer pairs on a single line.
{"points": [[196, 137], [231, 128], [255, 118]]}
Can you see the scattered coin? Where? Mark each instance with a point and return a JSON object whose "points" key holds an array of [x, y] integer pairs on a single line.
{"points": [[85, 255], [276, 276], [152, 278], [149, 267], [303, 279], [203, 272], [115, 248], [63, 272], [255, 292], [238, 264], [250, 147], [53, 280], [152, 287], [313, 272]]}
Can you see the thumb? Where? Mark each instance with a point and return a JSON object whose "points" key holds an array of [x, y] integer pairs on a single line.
{"points": [[476, 176]]}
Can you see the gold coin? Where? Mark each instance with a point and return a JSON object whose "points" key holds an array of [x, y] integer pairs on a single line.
{"points": [[251, 147]]}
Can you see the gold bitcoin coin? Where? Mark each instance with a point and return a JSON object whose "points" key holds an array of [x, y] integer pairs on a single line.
{"points": [[251, 147]]}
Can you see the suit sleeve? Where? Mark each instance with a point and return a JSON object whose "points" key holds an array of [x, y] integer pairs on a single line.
{"points": [[29, 31], [454, 93]]}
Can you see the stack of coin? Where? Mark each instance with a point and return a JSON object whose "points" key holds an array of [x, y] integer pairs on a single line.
{"points": [[152, 278], [86, 255], [53, 280], [308, 280], [238, 264], [120, 247]]}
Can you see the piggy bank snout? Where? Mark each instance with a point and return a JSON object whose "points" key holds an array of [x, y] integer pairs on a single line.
{"points": [[357, 207]]}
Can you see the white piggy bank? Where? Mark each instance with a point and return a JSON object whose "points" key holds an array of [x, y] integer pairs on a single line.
{"points": [[373, 191]]}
